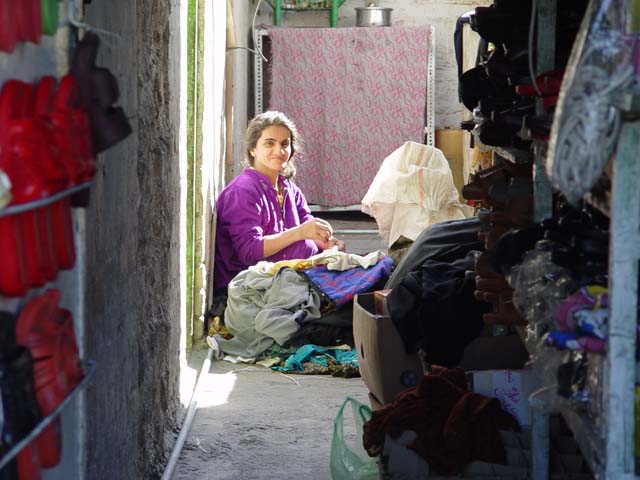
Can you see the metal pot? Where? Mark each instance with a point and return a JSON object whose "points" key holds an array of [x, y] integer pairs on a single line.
{"points": [[373, 17]]}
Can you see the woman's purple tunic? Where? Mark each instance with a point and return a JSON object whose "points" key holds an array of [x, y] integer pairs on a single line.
{"points": [[248, 210]]}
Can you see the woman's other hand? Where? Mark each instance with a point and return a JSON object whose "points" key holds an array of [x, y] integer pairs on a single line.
{"points": [[332, 242]]}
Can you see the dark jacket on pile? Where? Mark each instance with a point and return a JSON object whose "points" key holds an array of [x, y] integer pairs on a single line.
{"points": [[431, 302]]}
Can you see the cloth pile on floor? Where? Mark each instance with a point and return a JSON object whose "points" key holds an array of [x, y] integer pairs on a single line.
{"points": [[267, 304]]}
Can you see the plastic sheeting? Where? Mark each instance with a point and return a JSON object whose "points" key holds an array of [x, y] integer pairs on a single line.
{"points": [[413, 189], [604, 63]]}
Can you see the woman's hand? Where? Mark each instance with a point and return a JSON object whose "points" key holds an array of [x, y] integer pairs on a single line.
{"points": [[316, 229]]}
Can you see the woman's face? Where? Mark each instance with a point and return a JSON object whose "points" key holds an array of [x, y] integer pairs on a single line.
{"points": [[272, 151]]}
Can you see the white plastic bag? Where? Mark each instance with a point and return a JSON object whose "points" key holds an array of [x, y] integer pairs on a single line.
{"points": [[413, 189]]}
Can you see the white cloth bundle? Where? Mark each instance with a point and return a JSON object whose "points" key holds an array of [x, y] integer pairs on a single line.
{"points": [[413, 189]]}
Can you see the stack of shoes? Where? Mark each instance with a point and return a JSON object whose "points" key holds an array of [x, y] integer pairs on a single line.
{"points": [[504, 95], [577, 239], [503, 103], [47, 331], [547, 88], [505, 193], [499, 90]]}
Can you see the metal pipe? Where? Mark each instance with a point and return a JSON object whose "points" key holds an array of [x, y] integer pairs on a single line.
{"points": [[277, 13], [355, 232], [333, 20], [186, 426]]}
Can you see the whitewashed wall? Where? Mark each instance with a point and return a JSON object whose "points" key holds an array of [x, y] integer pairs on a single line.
{"points": [[442, 14]]}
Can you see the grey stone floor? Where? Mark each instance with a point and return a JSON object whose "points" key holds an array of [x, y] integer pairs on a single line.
{"points": [[254, 423]]}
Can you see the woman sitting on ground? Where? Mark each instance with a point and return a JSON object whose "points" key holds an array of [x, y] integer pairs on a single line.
{"points": [[262, 214]]}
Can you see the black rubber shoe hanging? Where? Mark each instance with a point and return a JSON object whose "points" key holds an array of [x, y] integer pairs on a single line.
{"points": [[97, 91]]}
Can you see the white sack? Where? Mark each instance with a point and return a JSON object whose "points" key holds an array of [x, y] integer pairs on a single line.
{"points": [[413, 189]]}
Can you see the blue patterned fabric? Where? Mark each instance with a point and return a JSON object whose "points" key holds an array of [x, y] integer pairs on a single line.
{"points": [[342, 286]]}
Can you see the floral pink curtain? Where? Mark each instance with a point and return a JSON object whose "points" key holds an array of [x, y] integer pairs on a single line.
{"points": [[356, 94]]}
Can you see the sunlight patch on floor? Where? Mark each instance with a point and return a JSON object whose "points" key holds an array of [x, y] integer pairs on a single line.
{"points": [[187, 382], [216, 389]]}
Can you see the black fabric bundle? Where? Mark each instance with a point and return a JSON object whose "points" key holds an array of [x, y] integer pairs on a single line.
{"points": [[433, 309]]}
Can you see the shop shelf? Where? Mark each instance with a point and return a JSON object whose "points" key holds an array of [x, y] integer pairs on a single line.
{"points": [[591, 444], [514, 155], [25, 207], [90, 367], [528, 339], [304, 4]]}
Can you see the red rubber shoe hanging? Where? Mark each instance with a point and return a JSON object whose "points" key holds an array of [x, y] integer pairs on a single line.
{"points": [[23, 21], [29, 463], [77, 120], [8, 25], [60, 129], [13, 271], [29, 141], [27, 183], [29, 20], [47, 331]]}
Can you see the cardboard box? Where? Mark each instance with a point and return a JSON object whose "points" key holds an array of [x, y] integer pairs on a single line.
{"points": [[374, 402], [384, 366], [521, 439], [380, 301], [399, 461], [511, 387], [496, 471], [387, 369], [451, 142]]}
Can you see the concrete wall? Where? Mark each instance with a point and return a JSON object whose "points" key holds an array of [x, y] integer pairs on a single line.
{"points": [[133, 298], [442, 14]]}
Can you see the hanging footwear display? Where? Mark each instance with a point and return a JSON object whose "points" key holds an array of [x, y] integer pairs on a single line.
{"points": [[97, 91], [47, 331]]}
